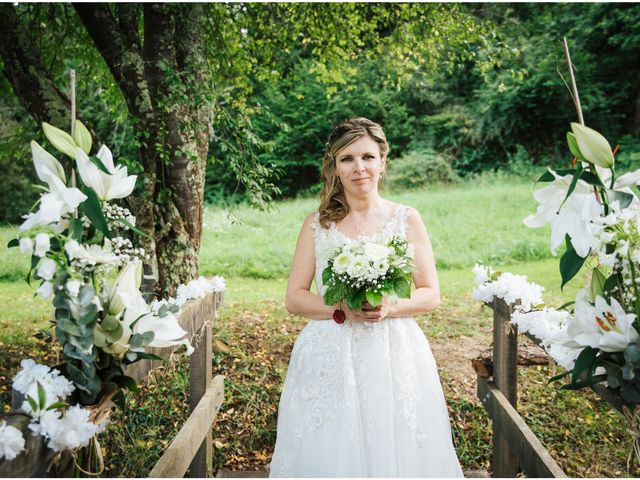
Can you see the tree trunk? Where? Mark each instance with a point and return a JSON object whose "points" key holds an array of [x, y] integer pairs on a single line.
{"points": [[636, 118]]}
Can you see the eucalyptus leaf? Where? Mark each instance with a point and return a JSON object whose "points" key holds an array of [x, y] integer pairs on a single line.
{"points": [[116, 334], [61, 140], [82, 137]]}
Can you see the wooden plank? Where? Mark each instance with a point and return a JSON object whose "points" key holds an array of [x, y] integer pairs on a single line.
{"points": [[536, 461], [189, 322], [505, 357], [176, 459], [223, 473], [200, 371]]}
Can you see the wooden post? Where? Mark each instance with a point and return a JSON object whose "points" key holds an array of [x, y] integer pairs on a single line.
{"points": [[505, 357], [200, 374]]}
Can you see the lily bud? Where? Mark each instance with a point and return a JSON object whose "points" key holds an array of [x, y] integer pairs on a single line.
{"points": [[593, 146]]}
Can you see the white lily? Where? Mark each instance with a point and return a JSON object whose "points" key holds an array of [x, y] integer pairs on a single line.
{"points": [[574, 217], [46, 163], [108, 186], [43, 244], [47, 269], [53, 205], [91, 254], [166, 330], [604, 326], [121, 292]]}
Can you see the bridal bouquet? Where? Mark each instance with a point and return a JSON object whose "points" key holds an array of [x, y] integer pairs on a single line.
{"points": [[368, 269]]}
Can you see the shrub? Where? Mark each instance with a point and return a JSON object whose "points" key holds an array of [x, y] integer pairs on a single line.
{"points": [[419, 168]]}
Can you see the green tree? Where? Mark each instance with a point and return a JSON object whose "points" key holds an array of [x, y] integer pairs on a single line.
{"points": [[178, 65]]}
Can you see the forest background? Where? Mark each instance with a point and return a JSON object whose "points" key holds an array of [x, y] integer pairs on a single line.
{"points": [[494, 101]]}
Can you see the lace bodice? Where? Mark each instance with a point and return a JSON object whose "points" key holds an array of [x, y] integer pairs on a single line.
{"points": [[327, 240]]}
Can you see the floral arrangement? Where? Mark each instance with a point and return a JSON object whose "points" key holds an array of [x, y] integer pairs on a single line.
{"points": [[83, 256], [368, 269], [596, 214]]}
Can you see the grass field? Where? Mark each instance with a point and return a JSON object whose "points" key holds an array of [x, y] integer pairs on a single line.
{"points": [[468, 223]]}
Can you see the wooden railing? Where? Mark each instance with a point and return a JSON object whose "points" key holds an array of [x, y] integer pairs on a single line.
{"points": [[514, 444], [191, 448]]}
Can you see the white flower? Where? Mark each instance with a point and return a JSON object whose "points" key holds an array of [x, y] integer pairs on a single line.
{"points": [[108, 186], [167, 331], [512, 289], [26, 245], [482, 273], [218, 284], [575, 217], [73, 287], [30, 372], [43, 244], [46, 164], [73, 249], [91, 254], [604, 326], [47, 269], [45, 290], [342, 262], [375, 251], [47, 423], [544, 324], [122, 292], [73, 430], [11, 441]]}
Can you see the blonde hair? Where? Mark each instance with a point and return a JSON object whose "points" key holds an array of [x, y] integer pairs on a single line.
{"points": [[333, 203]]}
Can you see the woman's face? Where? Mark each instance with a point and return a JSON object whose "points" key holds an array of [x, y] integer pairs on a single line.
{"points": [[359, 166]]}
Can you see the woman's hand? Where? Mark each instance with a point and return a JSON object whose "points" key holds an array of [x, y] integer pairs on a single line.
{"points": [[370, 313]]}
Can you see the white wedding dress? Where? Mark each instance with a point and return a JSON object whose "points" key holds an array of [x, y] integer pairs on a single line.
{"points": [[362, 400]]}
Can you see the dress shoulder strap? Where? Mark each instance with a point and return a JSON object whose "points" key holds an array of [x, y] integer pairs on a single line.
{"points": [[316, 225], [402, 213]]}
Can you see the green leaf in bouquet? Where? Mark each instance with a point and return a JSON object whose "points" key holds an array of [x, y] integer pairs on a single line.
{"points": [[572, 185], [148, 356], [32, 403], [86, 295], [89, 315], [598, 281], [570, 263], [42, 397], [92, 209], [630, 393], [110, 323], [573, 147], [62, 314], [14, 242], [69, 327], [593, 146], [623, 198], [558, 377], [326, 275], [374, 298], [632, 354], [81, 137], [163, 310], [75, 229], [388, 291], [335, 294], [549, 177], [610, 284], [627, 372], [147, 337], [402, 288], [584, 363], [355, 301], [591, 178], [60, 140], [55, 405], [126, 222], [136, 340], [115, 335]]}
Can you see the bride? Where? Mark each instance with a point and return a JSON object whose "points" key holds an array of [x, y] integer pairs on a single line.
{"points": [[362, 397]]}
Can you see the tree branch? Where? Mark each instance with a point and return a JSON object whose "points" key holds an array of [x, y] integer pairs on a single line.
{"points": [[23, 67], [118, 43]]}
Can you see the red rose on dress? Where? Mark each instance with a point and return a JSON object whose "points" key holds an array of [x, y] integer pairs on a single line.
{"points": [[339, 316]]}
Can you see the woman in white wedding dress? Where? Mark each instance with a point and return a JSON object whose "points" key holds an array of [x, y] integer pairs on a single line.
{"points": [[361, 398]]}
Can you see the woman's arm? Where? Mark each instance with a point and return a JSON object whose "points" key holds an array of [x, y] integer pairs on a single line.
{"points": [[299, 300], [426, 296]]}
